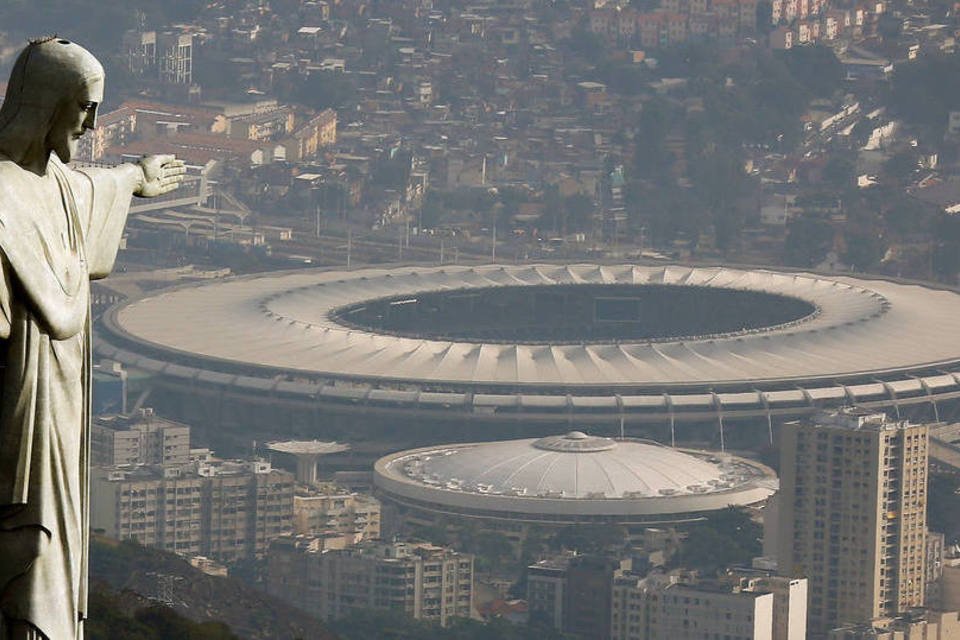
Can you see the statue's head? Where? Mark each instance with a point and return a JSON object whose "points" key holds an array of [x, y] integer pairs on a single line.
{"points": [[54, 91]]}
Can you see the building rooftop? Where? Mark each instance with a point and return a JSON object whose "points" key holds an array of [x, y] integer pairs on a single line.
{"points": [[573, 474]]}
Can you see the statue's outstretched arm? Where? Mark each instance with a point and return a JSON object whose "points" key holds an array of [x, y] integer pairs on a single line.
{"points": [[106, 196], [161, 174]]}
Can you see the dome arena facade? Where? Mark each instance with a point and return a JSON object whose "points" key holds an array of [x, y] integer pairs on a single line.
{"points": [[541, 344], [568, 479]]}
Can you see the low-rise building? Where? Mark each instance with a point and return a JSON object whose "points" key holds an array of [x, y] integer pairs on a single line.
{"points": [[679, 607], [330, 509], [422, 580], [916, 625]]}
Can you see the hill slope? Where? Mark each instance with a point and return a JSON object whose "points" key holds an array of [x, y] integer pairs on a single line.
{"points": [[143, 575]]}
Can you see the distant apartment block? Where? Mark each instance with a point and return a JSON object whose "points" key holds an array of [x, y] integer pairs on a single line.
{"points": [[142, 438], [222, 509], [166, 56], [245, 507], [331, 509], [546, 591], [917, 625], [852, 514], [307, 140], [590, 597], [676, 22], [812, 21], [422, 580], [679, 607]]}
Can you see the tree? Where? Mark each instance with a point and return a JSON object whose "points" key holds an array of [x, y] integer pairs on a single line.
{"points": [[865, 249], [591, 538], [651, 159], [725, 538], [925, 77], [839, 172], [326, 89], [809, 239], [816, 68], [376, 624], [901, 166], [578, 209], [587, 44], [719, 181], [432, 212]]}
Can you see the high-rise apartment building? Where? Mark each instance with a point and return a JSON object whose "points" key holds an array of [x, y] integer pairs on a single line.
{"points": [[245, 507], [588, 596], [167, 56], [546, 591], [853, 515], [222, 509], [141, 438], [157, 507], [422, 580]]}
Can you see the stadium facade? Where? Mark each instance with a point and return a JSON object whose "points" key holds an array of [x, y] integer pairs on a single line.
{"points": [[548, 345]]}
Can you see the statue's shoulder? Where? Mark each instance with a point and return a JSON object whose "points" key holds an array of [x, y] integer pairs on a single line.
{"points": [[9, 167], [13, 181]]}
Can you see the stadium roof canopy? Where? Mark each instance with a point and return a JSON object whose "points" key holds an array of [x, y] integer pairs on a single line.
{"points": [[862, 329]]}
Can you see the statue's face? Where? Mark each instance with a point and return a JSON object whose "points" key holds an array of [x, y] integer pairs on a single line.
{"points": [[73, 117]]}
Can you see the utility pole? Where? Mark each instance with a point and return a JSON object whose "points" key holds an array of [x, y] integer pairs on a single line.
{"points": [[349, 245], [441, 251]]}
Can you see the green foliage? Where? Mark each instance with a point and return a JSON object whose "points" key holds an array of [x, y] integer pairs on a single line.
{"points": [[839, 172], [809, 239], [393, 625], [622, 77], [326, 90], [578, 209], [946, 254], [587, 539], [719, 181], [925, 90], [727, 537], [943, 505], [816, 68], [112, 620], [901, 166], [865, 249], [587, 44], [393, 172]]}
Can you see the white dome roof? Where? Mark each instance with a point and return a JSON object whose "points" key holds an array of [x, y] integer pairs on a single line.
{"points": [[573, 474], [572, 466]]}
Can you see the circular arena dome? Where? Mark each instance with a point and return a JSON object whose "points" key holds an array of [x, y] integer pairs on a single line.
{"points": [[542, 343], [570, 478]]}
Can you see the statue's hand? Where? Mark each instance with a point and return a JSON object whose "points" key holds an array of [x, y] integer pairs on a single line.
{"points": [[161, 174]]}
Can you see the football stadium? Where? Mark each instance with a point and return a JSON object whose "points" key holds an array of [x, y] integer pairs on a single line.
{"points": [[548, 347]]}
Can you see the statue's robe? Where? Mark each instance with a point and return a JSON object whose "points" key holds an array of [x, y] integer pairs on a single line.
{"points": [[56, 233]]}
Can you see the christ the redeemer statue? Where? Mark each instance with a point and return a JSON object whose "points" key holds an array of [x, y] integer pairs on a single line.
{"points": [[59, 229]]}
